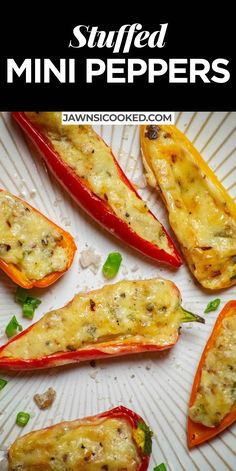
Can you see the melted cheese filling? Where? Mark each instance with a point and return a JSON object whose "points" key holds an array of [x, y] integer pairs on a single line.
{"points": [[198, 213], [28, 240], [217, 390], [91, 160], [147, 311], [105, 444]]}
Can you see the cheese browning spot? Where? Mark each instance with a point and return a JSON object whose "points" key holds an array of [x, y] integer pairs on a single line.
{"points": [[28, 241], [91, 159], [145, 312], [152, 132], [104, 444], [217, 389]]}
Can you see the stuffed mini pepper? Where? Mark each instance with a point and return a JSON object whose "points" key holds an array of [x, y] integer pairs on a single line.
{"points": [[212, 405], [127, 317], [201, 213], [33, 250], [117, 440], [87, 169]]}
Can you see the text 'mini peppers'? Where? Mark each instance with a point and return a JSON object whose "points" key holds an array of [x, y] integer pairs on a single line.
{"points": [[87, 169], [119, 319], [117, 440]]}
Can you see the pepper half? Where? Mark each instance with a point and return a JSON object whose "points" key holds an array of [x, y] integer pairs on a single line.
{"points": [[119, 319], [88, 170], [201, 213], [34, 251], [114, 440], [213, 397]]}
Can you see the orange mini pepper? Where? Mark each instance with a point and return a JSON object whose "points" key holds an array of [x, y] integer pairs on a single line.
{"points": [[198, 433], [19, 277]]}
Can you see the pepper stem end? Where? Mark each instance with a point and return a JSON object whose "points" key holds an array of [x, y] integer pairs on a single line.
{"points": [[188, 316]]}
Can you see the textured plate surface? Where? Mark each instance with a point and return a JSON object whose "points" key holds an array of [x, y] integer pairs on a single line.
{"points": [[156, 386]]}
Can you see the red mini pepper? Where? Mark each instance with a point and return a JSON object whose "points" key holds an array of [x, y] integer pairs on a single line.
{"points": [[87, 313], [92, 204], [199, 433], [24, 450]]}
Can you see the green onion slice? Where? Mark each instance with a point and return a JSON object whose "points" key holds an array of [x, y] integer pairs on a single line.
{"points": [[22, 419], [160, 467], [29, 304], [112, 265], [21, 295], [3, 383], [212, 305], [13, 327], [29, 307]]}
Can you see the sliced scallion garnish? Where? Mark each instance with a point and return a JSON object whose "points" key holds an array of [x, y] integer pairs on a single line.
{"points": [[212, 305], [22, 419], [160, 467], [21, 295], [29, 304], [112, 265], [13, 327], [3, 383]]}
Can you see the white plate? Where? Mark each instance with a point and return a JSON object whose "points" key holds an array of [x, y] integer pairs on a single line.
{"points": [[155, 386]]}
